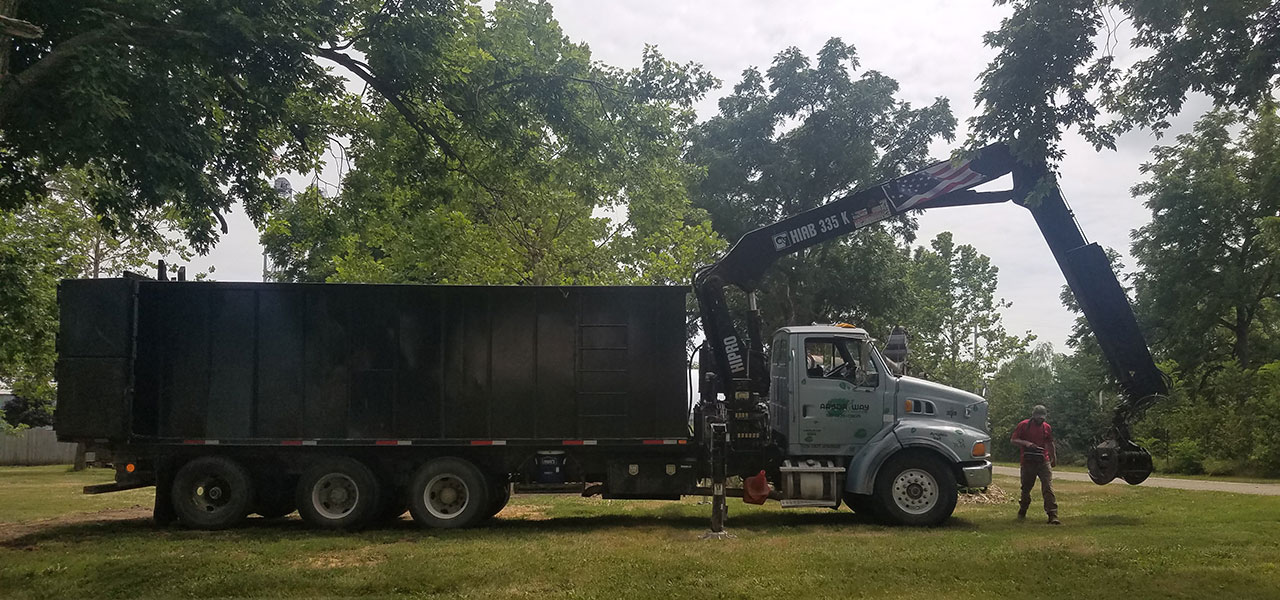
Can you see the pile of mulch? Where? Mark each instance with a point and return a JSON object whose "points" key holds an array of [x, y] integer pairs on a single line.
{"points": [[992, 494]]}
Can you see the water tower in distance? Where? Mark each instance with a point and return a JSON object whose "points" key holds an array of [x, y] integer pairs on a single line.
{"points": [[283, 188]]}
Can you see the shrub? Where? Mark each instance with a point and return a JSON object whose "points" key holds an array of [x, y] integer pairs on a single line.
{"points": [[1185, 456], [1218, 466], [1154, 445], [24, 410]]}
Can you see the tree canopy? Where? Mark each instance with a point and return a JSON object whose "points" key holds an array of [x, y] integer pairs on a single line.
{"points": [[188, 105], [1051, 74], [1208, 281], [796, 136], [183, 105], [536, 165]]}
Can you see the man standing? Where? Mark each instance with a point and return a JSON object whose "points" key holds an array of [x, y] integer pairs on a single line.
{"points": [[1035, 438]]}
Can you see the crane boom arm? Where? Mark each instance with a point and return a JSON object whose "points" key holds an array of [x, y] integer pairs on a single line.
{"points": [[739, 361]]}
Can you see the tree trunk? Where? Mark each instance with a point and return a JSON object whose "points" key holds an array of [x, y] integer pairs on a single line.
{"points": [[97, 254], [8, 8], [1241, 347]]}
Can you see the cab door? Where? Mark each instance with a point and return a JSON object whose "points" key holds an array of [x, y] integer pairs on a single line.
{"points": [[780, 361], [837, 397]]}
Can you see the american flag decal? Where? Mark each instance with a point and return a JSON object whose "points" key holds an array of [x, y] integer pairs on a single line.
{"points": [[930, 183]]}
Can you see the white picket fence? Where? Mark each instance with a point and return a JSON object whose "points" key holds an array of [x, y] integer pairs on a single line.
{"points": [[35, 447]]}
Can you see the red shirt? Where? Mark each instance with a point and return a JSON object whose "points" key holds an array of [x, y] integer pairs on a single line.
{"points": [[1041, 436]]}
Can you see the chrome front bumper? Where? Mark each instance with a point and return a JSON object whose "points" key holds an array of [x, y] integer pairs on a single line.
{"points": [[976, 475]]}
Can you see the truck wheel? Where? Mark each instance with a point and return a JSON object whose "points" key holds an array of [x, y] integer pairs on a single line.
{"points": [[449, 493], [212, 492], [863, 504], [499, 495], [338, 493], [915, 489]]}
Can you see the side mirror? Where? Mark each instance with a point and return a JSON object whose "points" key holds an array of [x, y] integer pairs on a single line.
{"points": [[895, 348], [896, 351]]}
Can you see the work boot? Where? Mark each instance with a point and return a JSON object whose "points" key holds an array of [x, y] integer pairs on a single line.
{"points": [[1053, 519]]}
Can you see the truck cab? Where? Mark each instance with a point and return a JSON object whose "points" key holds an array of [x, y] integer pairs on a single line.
{"points": [[905, 444]]}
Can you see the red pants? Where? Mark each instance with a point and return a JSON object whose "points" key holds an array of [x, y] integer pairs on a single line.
{"points": [[1030, 471]]}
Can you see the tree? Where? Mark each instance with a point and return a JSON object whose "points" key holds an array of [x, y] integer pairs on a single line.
{"points": [[802, 134], [519, 187], [1209, 284], [958, 336], [1037, 84], [25, 411], [1049, 73]]}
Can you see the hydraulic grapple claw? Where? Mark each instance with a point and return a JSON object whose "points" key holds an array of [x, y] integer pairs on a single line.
{"points": [[1119, 458]]}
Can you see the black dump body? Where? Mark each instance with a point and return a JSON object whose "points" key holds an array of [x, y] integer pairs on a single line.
{"points": [[167, 362]]}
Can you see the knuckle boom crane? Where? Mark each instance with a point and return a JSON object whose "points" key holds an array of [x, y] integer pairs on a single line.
{"points": [[736, 365]]}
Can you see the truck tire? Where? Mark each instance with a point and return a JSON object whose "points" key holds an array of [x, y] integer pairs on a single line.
{"points": [[449, 493], [915, 489], [499, 495], [863, 504], [212, 492], [338, 493]]}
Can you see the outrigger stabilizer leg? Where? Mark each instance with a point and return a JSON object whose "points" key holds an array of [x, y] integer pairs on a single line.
{"points": [[719, 508]]}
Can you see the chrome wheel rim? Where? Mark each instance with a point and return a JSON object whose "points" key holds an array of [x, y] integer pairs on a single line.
{"points": [[915, 491], [446, 496], [335, 495]]}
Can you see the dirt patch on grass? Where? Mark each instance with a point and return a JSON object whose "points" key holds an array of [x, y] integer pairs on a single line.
{"points": [[524, 511], [340, 559], [12, 531]]}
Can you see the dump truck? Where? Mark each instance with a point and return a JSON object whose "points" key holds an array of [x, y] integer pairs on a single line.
{"points": [[353, 404]]}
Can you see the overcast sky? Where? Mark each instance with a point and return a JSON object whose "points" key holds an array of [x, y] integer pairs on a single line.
{"points": [[932, 47]]}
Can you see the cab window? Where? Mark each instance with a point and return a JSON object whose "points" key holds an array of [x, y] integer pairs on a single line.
{"points": [[779, 355], [825, 357], [841, 358]]}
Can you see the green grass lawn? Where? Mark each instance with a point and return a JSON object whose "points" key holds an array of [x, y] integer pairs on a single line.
{"points": [[1117, 542], [31, 493]]}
